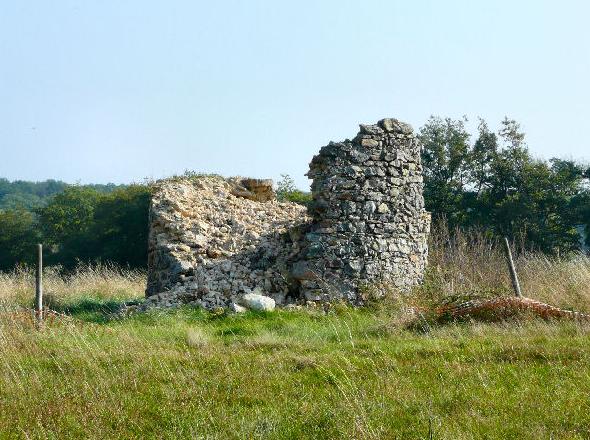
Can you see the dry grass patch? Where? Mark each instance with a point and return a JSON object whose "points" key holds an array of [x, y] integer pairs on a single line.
{"points": [[471, 265], [102, 282], [197, 338], [328, 373]]}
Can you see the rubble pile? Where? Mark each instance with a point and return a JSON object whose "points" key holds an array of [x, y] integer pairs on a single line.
{"points": [[213, 240]]}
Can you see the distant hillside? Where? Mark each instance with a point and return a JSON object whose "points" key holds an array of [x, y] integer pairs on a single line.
{"points": [[31, 195]]}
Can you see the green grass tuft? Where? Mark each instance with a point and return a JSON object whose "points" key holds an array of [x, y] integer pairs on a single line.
{"points": [[335, 373]]}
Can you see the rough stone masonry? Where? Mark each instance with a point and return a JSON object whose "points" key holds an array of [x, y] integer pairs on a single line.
{"points": [[369, 224], [212, 240]]}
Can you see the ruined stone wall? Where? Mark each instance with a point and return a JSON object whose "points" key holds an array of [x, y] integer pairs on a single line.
{"points": [[369, 222], [213, 240]]}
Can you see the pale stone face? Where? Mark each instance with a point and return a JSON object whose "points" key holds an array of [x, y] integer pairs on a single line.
{"points": [[213, 240]]}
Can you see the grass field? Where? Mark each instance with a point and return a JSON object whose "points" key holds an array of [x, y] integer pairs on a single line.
{"points": [[304, 374]]}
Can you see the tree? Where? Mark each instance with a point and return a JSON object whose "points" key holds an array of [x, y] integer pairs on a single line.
{"points": [[83, 224], [497, 185], [66, 223], [580, 207], [287, 192], [447, 166], [17, 238], [535, 205], [120, 226], [511, 135], [484, 153], [27, 195]]}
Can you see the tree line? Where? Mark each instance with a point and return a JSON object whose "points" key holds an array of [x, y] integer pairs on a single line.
{"points": [[79, 224], [493, 183], [489, 181], [32, 195]]}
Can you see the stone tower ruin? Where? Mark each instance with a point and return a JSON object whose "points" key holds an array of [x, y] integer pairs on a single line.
{"points": [[369, 225], [212, 240]]}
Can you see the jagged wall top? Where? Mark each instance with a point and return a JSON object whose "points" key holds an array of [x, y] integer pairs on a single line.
{"points": [[213, 240], [369, 221]]}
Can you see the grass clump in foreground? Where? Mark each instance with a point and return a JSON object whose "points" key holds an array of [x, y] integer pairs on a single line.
{"points": [[185, 374], [347, 373]]}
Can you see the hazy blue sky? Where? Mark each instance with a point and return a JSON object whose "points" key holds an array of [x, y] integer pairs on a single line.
{"points": [[116, 91]]}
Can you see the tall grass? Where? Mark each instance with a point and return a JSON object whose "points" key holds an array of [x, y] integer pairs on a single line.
{"points": [[471, 264], [187, 374], [461, 264], [337, 373], [101, 282]]}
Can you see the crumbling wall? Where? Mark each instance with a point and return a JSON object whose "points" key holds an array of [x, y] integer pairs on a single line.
{"points": [[369, 222], [212, 240]]}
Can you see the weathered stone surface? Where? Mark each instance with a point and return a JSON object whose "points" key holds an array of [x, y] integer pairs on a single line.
{"points": [[215, 242], [236, 308], [301, 271], [370, 189], [209, 247], [259, 190], [255, 301]]}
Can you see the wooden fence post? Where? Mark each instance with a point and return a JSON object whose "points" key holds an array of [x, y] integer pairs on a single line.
{"points": [[513, 275], [39, 285]]}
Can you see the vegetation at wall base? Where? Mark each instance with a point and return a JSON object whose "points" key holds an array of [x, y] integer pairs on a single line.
{"points": [[333, 372]]}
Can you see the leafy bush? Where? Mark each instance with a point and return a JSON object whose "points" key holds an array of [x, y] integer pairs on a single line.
{"points": [[18, 236], [287, 192]]}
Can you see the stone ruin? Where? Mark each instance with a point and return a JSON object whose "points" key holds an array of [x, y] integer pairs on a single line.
{"points": [[213, 240], [369, 224]]}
